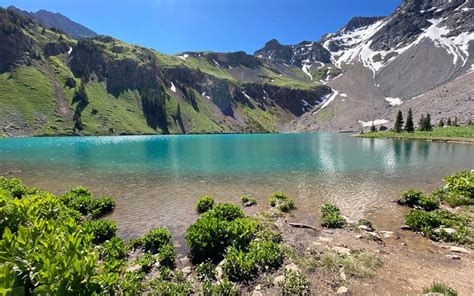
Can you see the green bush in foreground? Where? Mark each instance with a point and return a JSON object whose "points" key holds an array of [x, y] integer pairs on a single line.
{"points": [[438, 287], [211, 234], [281, 201], [204, 203], [157, 238], [458, 189], [167, 256], [101, 230], [441, 225], [222, 288], [206, 271], [294, 283], [413, 198], [331, 217]]}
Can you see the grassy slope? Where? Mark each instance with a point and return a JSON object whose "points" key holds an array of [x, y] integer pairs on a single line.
{"points": [[30, 94], [451, 133]]}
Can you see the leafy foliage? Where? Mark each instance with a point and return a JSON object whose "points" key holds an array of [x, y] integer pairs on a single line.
{"points": [[413, 198], [331, 217], [294, 283], [206, 271], [458, 189], [101, 230], [435, 225], [281, 201], [204, 203], [157, 238], [222, 288]]}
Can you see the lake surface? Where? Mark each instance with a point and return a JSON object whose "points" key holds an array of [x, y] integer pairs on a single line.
{"points": [[156, 179]]}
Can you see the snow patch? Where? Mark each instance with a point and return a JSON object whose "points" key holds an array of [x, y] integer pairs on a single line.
{"points": [[246, 95], [373, 122], [357, 45], [205, 95], [344, 95], [330, 99], [216, 63], [393, 101], [305, 68], [184, 57], [69, 51], [173, 88]]}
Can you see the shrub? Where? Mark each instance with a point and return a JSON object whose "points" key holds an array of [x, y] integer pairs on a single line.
{"points": [[239, 266], [102, 206], [167, 256], [101, 230], [458, 189], [209, 237], [413, 198], [47, 257], [434, 224], [204, 203], [79, 199], [281, 201], [15, 188], [146, 261], [247, 200], [266, 254], [224, 288], [168, 288], [331, 217], [114, 249], [438, 287], [261, 255], [136, 243], [294, 283], [157, 238], [206, 271], [226, 211]]}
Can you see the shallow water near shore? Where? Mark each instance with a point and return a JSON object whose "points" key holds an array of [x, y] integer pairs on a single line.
{"points": [[156, 179]]}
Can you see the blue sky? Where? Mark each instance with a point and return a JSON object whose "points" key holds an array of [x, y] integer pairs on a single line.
{"points": [[173, 26]]}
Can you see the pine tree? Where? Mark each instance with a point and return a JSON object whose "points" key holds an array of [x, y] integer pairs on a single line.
{"points": [[448, 123], [409, 127], [421, 123], [398, 122], [441, 123], [428, 126], [469, 122], [372, 128]]}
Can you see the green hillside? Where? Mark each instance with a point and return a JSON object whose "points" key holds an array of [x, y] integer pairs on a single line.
{"points": [[51, 84]]}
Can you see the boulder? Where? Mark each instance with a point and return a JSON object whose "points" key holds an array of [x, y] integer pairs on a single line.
{"points": [[342, 290], [459, 250]]}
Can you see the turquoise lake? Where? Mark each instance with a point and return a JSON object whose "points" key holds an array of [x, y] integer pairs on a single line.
{"points": [[156, 179]]}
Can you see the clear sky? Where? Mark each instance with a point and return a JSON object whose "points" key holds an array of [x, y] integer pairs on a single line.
{"points": [[173, 26]]}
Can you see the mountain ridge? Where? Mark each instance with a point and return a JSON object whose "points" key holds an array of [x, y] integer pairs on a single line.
{"points": [[345, 81]]}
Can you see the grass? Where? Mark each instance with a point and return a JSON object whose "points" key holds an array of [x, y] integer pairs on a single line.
{"points": [[439, 287], [359, 264], [463, 133], [27, 93]]}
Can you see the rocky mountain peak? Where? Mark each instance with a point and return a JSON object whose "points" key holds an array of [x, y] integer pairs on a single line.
{"points": [[360, 21], [56, 20]]}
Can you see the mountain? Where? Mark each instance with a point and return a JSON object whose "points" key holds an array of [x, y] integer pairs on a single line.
{"points": [[56, 20], [53, 84], [410, 58], [419, 57]]}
